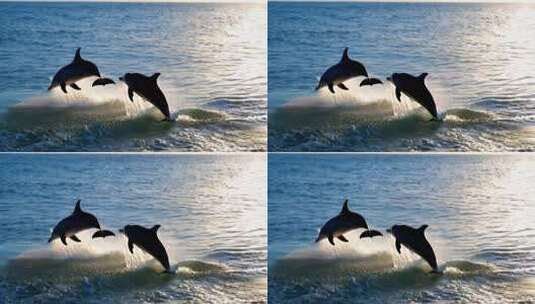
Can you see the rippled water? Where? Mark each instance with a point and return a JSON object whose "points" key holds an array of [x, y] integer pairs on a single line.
{"points": [[478, 207], [212, 209], [212, 60], [480, 63]]}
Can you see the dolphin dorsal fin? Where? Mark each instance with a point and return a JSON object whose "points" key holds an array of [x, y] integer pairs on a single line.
{"points": [[77, 208], [155, 228], [345, 207], [422, 228], [77, 56], [422, 76], [345, 55], [155, 76]]}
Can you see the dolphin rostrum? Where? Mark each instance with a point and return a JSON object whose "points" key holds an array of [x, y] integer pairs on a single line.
{"points": [[102, 82], [414, 88], [340, 72], [74, 223], [148, 89], [415, 241], [102, 234], [370, 82], [74, 71], [345, 221], [148, 241]]}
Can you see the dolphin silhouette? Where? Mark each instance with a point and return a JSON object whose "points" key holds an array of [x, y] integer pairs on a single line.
{"points": [[74, 71], [370, 234], [102, 82], [148, 241], [74, 223], [414, 88], [345, 221], [340, 72], [370, 82], [148, 89], [415, 241], [102, 234]]}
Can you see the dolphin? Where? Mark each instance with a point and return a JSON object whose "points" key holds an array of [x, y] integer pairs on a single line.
{"points": [[415, 241], [147, 88], [345, 221], [370, 234], [102, 234], [102, 82], [74, 223], [370, 82], [414, 87], [148, 241], [340, 72], [74, 71]]}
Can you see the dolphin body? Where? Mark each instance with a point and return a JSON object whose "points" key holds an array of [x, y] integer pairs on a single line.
{"points": [[340, 72], [74, 223], [102, 82], [102, 234], [74, 71], [148, 241], [345, 221], [148, 89], [414, 87], [370, 82], [415, 241]]}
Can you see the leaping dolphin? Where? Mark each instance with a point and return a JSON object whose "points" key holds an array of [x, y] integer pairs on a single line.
{"points": [[74, 71], [148, 241], [414, 88], [102, 82], [74, 223], [345, 221], [415, 241], [340, 72], [370, 82], [102, 234], [148, 89]]}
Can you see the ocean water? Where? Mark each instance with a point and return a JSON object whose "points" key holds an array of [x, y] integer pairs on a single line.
{"points": [[211, 208], [480, 63], [478, 207], [212, 60]]}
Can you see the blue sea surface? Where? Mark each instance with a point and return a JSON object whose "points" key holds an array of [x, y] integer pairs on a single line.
{"points": [[481, 73], [212, 60], [211, 208], [479, 209]]}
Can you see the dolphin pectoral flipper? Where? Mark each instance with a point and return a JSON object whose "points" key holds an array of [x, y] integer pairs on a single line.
{"points": [[131, 94], [75, 238], [331, 239], [343, 239], [398, 94], [63, 87], [331, 87], [398, 246], [131, 246], [342, 86], [74, 86], [63, 240]]}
